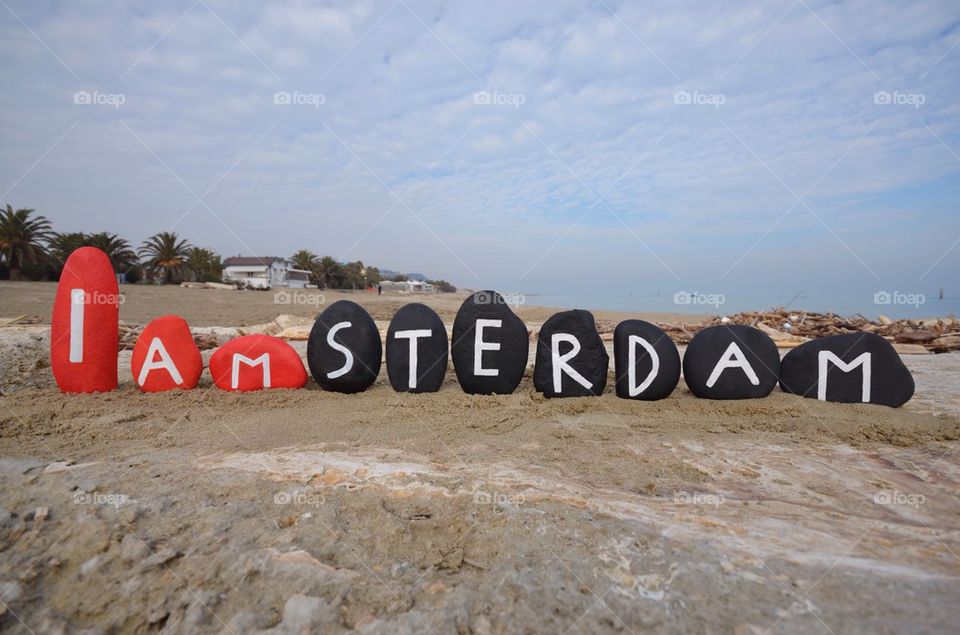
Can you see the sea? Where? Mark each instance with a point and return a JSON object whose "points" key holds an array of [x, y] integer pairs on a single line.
{"points": [[893, 304]]}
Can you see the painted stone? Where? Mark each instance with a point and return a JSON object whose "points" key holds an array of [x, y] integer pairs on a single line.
{"points": [[646, 360], [850, 368], [490, 345], [571, 358], [344, 349], [84, 331], [165, 356], [417, 349], [254, 362], [731, 361]]}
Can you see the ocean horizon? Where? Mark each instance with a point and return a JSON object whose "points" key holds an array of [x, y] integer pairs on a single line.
{"points": [[893, 304]]}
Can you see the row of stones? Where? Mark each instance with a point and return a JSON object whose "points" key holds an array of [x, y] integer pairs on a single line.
{"points": [[489, 348]]}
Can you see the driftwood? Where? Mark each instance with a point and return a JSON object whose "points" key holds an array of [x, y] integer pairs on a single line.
{"points": [[789, 328]]}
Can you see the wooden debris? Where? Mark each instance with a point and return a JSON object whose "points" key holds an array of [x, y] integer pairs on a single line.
{"points": [[789, 328]]}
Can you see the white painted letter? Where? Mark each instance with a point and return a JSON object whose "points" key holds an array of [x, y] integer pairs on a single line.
{"points": [[348, 363], [733, 357], [824, 359], [263, 360], [77, 300], [413, 336], [632, 342], [479, 346], [165, 362], [560, 361]]}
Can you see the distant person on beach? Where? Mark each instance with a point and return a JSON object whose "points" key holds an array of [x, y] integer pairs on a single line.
{"points": [[379, 289]]}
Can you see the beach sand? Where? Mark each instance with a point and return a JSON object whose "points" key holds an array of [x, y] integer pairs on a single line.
{"points": [[205, 511]]}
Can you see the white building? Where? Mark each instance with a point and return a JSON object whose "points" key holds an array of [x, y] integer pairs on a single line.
{"points": [[408, 286], [264, 272]]}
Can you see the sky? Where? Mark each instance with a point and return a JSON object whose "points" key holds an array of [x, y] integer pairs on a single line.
{"points": [[635, 150]]}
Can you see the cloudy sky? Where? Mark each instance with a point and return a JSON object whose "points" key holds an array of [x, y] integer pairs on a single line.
{"points": [[634, 148]]}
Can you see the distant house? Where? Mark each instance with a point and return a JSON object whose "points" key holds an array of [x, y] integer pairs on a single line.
{"points": [[408, 286], [264, 272]]}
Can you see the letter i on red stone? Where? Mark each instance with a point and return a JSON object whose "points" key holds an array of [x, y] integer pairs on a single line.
{"points": [[84, 332]]}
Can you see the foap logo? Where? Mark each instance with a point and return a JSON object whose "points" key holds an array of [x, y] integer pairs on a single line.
{"points": [[81, 497], [497, 499], [97, 298], [299, 498], [298, 298], [496, 98], [697, 298], [698, 498], [896, 98], [898, 298], [887, 497], [696, 98], [510, 299], [296, 98], [96, 98]]}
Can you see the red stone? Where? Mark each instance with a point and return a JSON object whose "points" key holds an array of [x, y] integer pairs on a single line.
{"points": [[175, 360], [285, 367], [84, 336]]}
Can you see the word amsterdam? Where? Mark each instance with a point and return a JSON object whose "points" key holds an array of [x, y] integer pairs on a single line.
{"points": [[489, 348]]}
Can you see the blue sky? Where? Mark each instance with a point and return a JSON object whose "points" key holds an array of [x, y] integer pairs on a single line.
{"points": [[750, 149]]}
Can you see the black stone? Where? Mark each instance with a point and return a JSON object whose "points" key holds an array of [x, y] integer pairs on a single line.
{"points": [[891, 383], [591, 362], [361, 338], [710, 345], [432, 351], [510, 360], [668, 360]]}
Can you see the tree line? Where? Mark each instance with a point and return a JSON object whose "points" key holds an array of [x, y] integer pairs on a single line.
{"points": [[30, 249]]}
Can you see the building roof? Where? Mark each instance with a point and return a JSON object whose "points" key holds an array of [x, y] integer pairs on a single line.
{"points": [[251, 261]]}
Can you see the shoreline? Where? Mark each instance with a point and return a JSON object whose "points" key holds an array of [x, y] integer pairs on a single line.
{"points": [[233, 308]]}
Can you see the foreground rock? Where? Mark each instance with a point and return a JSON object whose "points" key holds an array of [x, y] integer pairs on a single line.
{"points": [[254, 362], [417, 349], [646, 360], [571, 358], [854, 368], [490, 345], [731, 362], [344, 349], [165, 356], [84, 328]]}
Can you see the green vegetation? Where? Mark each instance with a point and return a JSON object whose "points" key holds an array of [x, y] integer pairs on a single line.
{"points": [[31, 249]]}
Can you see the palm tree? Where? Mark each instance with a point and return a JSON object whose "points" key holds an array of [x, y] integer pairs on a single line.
{"points": [[328, 270], [60, 246], [22, 238], [306, 260], [204, 264], [165, 253], [122, 257]]}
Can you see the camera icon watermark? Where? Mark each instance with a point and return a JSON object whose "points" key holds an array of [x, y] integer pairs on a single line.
{"points": [[698, 498], [298, 298], [296, 98], [497, 499], [696, 98], [894, 497], [299, 498], [496, 98], [96, 98], [896, 98], [81, 497], [898, 298], [697, 298], [510, 299]]}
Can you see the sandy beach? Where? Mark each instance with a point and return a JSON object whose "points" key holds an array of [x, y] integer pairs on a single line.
{"points": [[388, 512]]}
